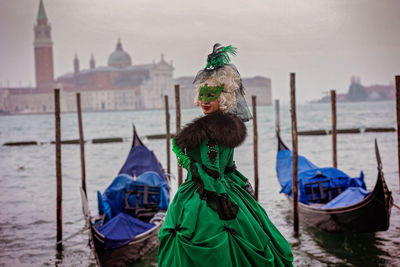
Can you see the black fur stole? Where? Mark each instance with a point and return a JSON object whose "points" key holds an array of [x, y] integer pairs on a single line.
{"points": [[226, 129]]}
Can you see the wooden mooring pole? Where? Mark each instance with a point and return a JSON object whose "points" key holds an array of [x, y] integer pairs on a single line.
{"points": [[255, 144], [58, 167], [81, 142], [178, 125], [398, 120], [294, 152], [167, 134], [334, 129], [277, 117]]}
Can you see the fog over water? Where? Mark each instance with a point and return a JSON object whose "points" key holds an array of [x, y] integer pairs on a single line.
{"points": [[324, 42]]}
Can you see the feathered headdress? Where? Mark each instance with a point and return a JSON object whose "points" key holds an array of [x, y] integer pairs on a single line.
{"points": [[217, 59], [220, 56]]}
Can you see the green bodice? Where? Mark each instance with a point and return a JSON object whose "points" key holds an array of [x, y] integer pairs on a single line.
{"points": [[213, 156]]}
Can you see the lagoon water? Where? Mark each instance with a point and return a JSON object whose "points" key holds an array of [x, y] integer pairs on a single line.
{"points": [[28, 183]]}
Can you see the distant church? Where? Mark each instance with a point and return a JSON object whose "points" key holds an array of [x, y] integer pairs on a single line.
{"points": [[117, 86]]}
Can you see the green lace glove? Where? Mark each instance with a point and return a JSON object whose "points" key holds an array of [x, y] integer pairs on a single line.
{"points": [[182, 158]]}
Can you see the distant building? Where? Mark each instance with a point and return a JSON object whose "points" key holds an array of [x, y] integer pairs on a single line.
{"points": [[357, 92], [120, 85], [117, 86], [381, 92], [258, 86], [3, 101]]}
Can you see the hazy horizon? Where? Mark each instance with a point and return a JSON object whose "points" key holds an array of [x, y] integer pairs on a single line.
{"points": [[323, 42]]}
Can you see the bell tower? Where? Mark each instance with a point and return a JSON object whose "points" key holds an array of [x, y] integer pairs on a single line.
{"points": [[92, 63], [43, 47], [76, 65]]}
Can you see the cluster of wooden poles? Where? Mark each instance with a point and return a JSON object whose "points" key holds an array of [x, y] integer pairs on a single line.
{"points": [[168, 136], [57, 112]]}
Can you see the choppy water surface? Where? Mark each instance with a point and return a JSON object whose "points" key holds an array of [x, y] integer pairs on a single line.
{"points": [[28, 183]]}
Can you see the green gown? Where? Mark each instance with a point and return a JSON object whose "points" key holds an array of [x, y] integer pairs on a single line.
{"points": [[213, 220]]}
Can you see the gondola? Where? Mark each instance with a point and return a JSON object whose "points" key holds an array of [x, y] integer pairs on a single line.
{"points": [[332, 201], [131, 210]]}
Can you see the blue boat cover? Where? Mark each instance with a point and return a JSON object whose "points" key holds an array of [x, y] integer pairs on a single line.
{"points": [[121, 229], [112, 201], [141, 169], [308, 172], [350, 196], [140, 160]]}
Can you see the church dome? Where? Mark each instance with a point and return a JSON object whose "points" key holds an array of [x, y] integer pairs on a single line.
{"points": [[119, 58]]}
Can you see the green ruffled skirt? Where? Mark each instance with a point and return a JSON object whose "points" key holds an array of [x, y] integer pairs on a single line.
{"points": [[194, 235]]}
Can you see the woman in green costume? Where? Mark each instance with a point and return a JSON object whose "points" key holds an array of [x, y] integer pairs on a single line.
{"points": [[214, 219]]}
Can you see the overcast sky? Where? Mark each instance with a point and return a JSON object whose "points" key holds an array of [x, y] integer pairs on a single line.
{"points": [[324, 42]]}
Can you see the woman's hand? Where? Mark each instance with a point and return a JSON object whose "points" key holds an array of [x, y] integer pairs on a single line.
{"points": [[181, 157]]}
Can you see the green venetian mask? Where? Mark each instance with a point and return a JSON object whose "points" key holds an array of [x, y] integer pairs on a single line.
{"points": [[210, 93]]}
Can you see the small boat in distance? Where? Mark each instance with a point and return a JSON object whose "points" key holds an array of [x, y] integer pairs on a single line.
{"points": [[131, 210], [331, 200]]}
